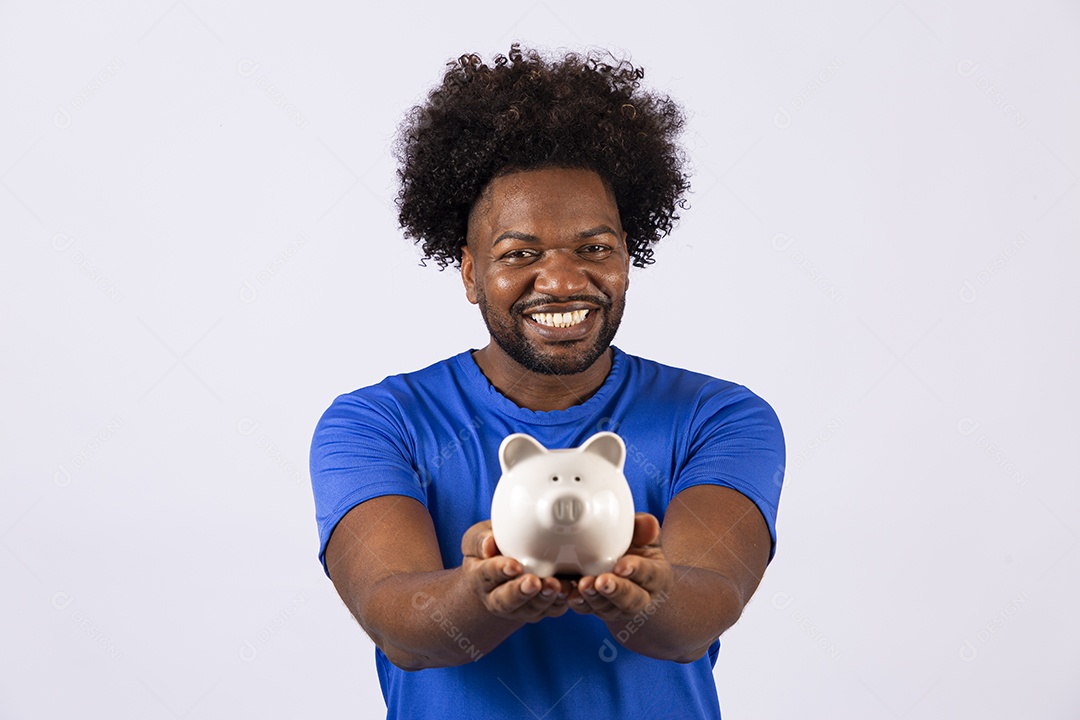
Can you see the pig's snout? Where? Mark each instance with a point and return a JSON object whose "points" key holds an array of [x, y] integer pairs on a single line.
{"points": [[567, 510]]}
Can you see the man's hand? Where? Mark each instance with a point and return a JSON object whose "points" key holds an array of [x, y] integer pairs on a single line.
{"points": [[640, 577], [500, 584]]}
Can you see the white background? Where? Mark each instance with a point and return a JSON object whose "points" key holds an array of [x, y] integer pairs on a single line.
{"points": [[201, 251]]}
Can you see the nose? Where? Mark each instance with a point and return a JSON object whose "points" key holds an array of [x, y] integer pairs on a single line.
{"points": [[561, 274], [567, 510]]}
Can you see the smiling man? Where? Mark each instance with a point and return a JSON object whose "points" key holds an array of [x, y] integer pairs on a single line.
{"points": [[546, 261], [544, 180]]}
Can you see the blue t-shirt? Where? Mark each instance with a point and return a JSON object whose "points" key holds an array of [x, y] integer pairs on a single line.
{"points": [[434, 435]]}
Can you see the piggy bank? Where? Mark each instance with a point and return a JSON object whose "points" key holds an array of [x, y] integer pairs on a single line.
{"points": [[563, 511]]}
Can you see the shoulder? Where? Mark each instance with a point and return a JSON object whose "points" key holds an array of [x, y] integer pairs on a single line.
{"points": [[682, 385], [394, 395], [405, 384], [704, 404]]}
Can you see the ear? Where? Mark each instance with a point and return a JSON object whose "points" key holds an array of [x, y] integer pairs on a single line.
{"points": [[518, 447], [607, 445], [626, 251], [468, 274]]}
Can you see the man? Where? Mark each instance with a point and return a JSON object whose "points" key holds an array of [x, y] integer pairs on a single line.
{"points": [[544, 180]]}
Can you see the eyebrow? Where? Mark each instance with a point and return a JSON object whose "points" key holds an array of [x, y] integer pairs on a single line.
{"points": [[526, 237]]}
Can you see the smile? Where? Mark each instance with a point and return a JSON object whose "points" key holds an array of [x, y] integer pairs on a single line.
{"points": [[560, 320]]}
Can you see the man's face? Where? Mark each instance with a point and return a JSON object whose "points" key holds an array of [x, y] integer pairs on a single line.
{"points": [[546, 261]]}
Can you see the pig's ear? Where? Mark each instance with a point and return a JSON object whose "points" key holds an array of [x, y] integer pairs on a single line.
{"points": [[516, 448], [607, 445]]}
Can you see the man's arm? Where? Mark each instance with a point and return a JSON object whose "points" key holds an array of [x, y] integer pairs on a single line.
{"points": [[679, 589], [384, 560]]}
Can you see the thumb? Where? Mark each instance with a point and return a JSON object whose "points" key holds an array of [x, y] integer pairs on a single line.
{"points": [[646, 530]]}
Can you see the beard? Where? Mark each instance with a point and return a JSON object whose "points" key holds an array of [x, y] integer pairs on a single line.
{"points": [[577, 355]]}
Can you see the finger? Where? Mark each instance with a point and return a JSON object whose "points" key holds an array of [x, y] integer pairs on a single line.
{"points": [[637, 568], [549, 602], [551, 590], [472, 542], [556, 610], [588, 600], [591, 602], [597, 607], [651, 572], [522, 601], [488, 549], [646, 530], [520, 596], [561, 588], [485, 546], [625, 597], [486, 575]]}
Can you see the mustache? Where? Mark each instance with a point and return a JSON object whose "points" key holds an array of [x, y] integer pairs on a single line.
{"points": [[523, 306]]}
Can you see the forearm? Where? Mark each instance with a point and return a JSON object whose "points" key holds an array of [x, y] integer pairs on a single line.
{"points": [[700, 606], [430, 619]]}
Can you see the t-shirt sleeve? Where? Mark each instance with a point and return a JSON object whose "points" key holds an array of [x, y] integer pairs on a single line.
{"points": [[736, 441], [360, 450]]}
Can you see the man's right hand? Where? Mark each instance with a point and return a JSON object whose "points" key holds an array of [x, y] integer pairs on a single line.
{"points": [[502, 584]]}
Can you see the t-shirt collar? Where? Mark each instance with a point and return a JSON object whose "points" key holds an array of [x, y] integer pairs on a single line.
{"points": [[478, 382]]}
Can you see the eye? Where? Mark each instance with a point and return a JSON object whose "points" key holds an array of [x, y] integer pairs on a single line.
{"points": [[554, 478], [577, 478], [595, 250], [519, 255]]}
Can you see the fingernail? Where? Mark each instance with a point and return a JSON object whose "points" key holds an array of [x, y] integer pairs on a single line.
{"points": [[626, 571], [561, 597], [547, 592], [509, 571], [589, 591]]}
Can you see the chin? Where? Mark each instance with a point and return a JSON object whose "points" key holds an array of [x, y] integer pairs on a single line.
{"points": [[559, 364]]}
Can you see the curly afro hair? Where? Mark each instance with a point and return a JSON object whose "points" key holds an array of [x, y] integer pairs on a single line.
{"points": [[525, 112]]}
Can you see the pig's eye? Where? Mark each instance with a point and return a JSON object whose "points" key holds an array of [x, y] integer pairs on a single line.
{"points": [[577, 478], [555, 478]]}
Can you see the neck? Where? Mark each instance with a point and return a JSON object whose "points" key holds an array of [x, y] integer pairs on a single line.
{"points": [[536, 391]]}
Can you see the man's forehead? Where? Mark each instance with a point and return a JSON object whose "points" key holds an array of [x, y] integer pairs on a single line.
{"points": [[575, 200], [522, 189]]}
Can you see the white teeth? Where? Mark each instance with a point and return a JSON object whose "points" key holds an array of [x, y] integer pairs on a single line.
{"points": [[560, 320]]}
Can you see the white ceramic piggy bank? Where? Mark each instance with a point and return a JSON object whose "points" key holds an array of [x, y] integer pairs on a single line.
{"points": [[563, 511]]}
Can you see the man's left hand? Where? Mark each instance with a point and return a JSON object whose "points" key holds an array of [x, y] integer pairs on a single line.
{"points": [[640, 577]]}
